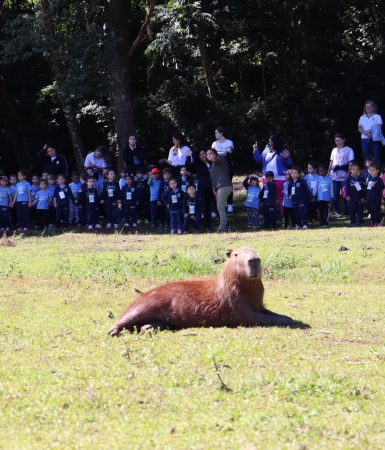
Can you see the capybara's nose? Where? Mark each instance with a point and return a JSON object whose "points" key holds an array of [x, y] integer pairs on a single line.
{"points": [[255, 262]]}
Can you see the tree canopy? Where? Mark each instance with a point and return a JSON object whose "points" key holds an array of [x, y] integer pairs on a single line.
{"points": [[85, 73]]}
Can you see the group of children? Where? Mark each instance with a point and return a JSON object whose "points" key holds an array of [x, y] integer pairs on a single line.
{"points": [[163, 200], [91, 200], [307, 197]]}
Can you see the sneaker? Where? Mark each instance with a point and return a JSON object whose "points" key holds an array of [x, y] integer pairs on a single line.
{"points": [[98, 226], [336, 214], [116, 226], [145, 221], [172, 231], [179, 231], [90, 227], [19, 230], [139, 220], [249, 227], [213, 215], [7, 229], [305, 227], [134, 224], [230, 208], [108, 226], [126, 225], [297, 227], [184, 232]]}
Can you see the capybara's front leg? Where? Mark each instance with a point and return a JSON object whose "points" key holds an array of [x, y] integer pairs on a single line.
{"points": [[253, 318], [152, 326]]}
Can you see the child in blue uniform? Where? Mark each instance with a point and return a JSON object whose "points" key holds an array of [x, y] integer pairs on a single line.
{"points": [[155, 201], [268, 196], [311, 179], [173, 199], [323, 195], [192, 209], [61, 199], [75, 185], [184, 181], [142, 197], [41, 203], [5, 200], [129, 202], [35, 186], [22, 199], [356, 195], [374, 189], [110, 199], [253, 190], [164, 186], [51, 186], [287, 203], [300, 194], [12, 187], [89, 198]]}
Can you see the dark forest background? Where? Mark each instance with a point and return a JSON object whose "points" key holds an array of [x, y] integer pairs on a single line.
{"points": [[80, 74]]}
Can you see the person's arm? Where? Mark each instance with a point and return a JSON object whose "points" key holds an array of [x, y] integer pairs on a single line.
{"points": [[246, 182], [258, 157], [87, 162]]}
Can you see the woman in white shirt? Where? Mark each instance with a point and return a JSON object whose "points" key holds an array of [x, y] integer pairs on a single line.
{"points": [[225, 147], [369, 126], [338, 169], [177, 154], [96, 159]]}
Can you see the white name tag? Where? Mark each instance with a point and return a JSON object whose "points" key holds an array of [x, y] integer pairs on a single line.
{"points": [[191, 209], [184, 188], [293, 190], [110, 192], [250, 198], [21, 191], [324, 188], [357, 186], [91, 198], [174, 199], [62, 195], [313, 184], [265, 193], [128, 196], [196, 185], [371, 184]]}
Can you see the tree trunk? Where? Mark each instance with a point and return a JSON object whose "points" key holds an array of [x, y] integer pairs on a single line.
{"points": [[205, 59], [67, 108], [70, 117], [119, 71]]}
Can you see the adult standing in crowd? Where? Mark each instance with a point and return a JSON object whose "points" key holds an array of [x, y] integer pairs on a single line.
{"points": [[177, 154], [276, 159], [96, 160], [369, 125], [221, 183], [201, 168], [225, 146], [133, 156], [51, 162], [338, 169]]}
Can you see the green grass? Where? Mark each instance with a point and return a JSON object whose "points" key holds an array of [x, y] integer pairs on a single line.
{"points": [[65, 384]]}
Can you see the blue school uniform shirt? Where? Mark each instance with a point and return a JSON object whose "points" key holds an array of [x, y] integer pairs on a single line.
{"points": [[286, 202], [324, 189], [252, 196], [51, 189], [75, 188], [22, 189], [43, 198], [300, 192], [34, 191], [312, 182], [5, 192], [154, 189]]}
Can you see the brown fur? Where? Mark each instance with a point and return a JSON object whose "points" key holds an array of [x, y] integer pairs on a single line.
{"points": [[233, 298]]}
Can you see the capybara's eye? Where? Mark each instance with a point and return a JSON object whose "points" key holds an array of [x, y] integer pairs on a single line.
{"points": [[235, 254]]}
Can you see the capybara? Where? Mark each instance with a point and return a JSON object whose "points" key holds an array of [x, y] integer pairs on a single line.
{"points": [[233, 298]]}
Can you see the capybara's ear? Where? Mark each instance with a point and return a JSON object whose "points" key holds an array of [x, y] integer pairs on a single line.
{"points": [[229, 252]]}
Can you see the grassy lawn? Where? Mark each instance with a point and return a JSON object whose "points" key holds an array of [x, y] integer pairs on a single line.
{"points": [[65, 384]]}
